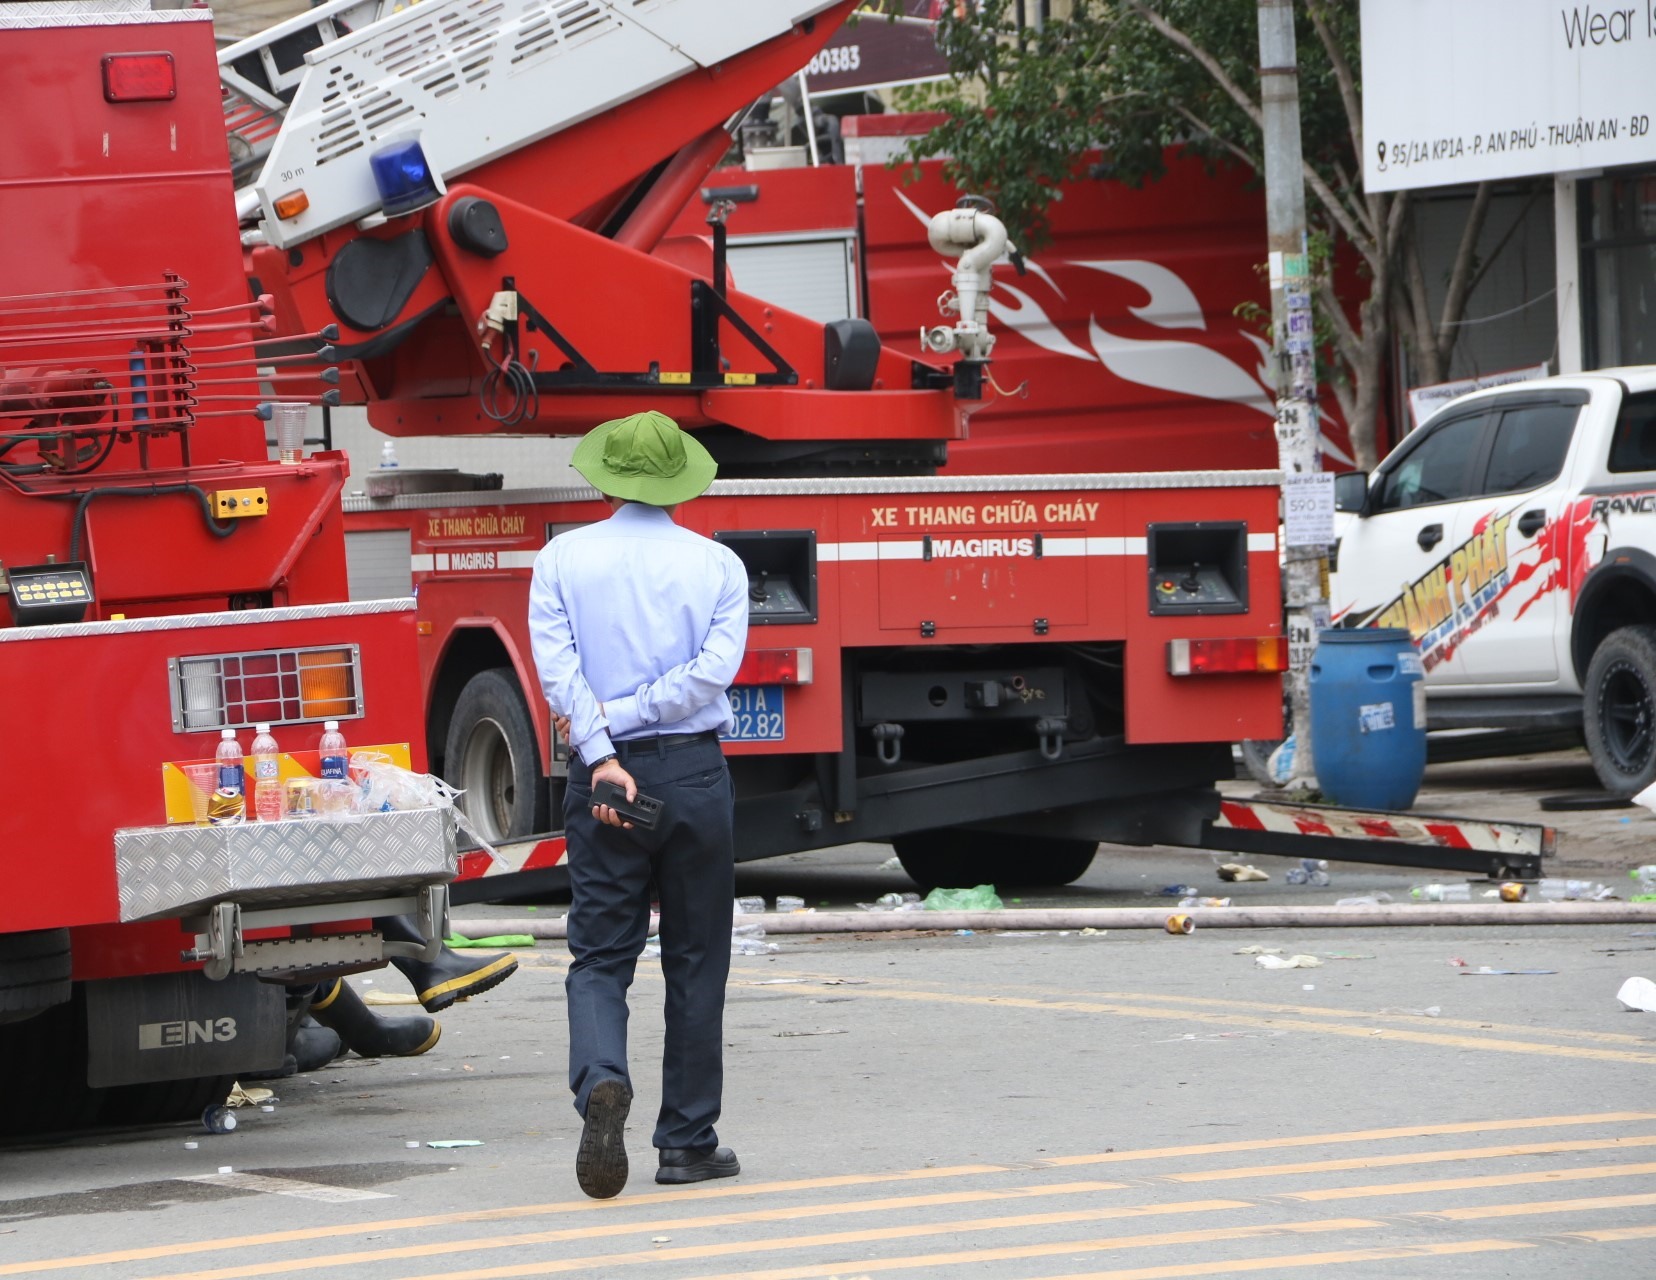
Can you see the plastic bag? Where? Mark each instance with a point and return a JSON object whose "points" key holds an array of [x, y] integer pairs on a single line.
{"points": [[980, 898], [383, 786]]}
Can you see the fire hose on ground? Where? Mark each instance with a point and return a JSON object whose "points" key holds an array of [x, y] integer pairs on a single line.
{"points": [[1076, 918]]}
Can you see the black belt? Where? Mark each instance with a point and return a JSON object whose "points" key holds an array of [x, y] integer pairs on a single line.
{"points": [[664, 742]]}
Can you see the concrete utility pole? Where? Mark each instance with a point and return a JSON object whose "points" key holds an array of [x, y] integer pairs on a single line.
{"points": [[1307, 491]]}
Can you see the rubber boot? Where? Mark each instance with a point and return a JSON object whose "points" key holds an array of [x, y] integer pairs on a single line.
{"points": [[310, 1045], [451, 976], [337, 1005]]}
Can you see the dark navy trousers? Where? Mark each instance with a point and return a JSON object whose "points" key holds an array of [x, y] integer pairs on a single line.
{"points": [[689, 863]]}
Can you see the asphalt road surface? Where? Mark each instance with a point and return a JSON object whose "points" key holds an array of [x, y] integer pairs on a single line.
{"points": [[1124, 1104]]}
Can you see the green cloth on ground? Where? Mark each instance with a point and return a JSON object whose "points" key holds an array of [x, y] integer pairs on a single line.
{"points": [[504, 941]]}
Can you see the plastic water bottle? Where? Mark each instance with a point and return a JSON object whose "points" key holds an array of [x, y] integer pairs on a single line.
{"points": [[1646, 876], [1312, 871], [335, 769], [1557, 890], [228, 804], [267, 783], [388, 455], [332, 749], [1441, 893]]}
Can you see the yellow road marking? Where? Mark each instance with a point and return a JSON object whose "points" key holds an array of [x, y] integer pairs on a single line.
{"points": [[722, 1190], [1354, 1135], [1238, 1020], [1411, 1019], [962, 1257], [680, 1196], [1616, 1233], [727, 1219], [1175, 1270], [1461, 1184], [1412, 1157], [1480, 1212]]}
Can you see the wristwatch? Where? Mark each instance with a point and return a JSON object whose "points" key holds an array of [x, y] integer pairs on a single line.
{"points": [[603, 760]]}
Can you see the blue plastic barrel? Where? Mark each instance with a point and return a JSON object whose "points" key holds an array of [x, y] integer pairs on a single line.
{"points": [[1368, 717]]}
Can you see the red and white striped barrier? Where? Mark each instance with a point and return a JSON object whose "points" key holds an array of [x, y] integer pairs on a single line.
{"points": [[1430, 830]]}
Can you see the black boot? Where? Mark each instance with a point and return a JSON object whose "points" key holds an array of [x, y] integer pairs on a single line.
{"points": [[338, 1006], [310, 1045], [451, 976], [314, 1046]]}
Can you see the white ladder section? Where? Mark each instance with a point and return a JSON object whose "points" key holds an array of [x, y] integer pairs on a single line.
{"points": [[471, 79]]}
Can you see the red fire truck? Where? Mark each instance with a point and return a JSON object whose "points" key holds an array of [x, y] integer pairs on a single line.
{"points": [[480, 200], [161, 580]]}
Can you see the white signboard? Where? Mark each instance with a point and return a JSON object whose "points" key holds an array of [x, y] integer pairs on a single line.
{"points": [[1425, 401], [1308, 509], [1481, 89]]}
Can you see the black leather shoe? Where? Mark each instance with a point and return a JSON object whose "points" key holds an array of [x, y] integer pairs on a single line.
{"points": [[686, 1164], [601, 1160]]}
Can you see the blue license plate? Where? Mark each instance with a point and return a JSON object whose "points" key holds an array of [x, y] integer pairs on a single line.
{"points": [[759, 714]]}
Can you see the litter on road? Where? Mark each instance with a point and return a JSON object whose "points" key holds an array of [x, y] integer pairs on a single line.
{"points": [[1638, 994], [1287, 962]]}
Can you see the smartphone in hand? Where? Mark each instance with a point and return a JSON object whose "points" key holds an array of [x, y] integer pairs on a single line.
{"points": [[643, 811]]}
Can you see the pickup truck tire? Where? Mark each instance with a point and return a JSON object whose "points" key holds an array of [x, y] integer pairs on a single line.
{"points": [[1619, 710], [952, 858], [34, 972], [491, 756]]}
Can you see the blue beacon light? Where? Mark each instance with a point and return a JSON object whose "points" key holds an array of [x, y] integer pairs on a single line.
{"points": [[404, 178]]}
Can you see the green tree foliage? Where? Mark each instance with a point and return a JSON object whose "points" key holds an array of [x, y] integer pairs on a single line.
{"points": [[1126, 79]]}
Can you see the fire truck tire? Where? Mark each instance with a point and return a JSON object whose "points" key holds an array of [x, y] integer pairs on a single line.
{"points": [[34, 972], [491, 756], [44, 1070], [1619, 710], [953, 858], [164, 1101]]}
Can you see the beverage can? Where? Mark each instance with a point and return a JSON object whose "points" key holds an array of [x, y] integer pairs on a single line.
{"points": [[299, 798]]}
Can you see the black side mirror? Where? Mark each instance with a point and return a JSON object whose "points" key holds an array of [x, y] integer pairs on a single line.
{"points": [[1351, 491]]}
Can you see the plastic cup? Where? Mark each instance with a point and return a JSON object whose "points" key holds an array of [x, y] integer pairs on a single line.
{"points": [[290, 430], [203, 779]]}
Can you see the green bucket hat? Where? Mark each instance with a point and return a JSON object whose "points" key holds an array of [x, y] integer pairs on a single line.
{"points": [[645, 458]]}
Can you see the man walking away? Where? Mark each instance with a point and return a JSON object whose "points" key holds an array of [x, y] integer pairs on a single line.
{"points": [[638, 628]]}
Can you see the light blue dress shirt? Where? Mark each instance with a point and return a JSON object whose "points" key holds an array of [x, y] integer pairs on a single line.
{"points": [[642, 616]]}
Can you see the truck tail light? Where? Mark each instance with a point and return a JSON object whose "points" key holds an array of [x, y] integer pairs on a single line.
{"points": [[266, 686], [775, 666], [139, 77], [1225, 657]]}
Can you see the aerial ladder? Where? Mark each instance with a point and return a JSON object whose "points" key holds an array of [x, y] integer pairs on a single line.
{"points": [[474, 192]]}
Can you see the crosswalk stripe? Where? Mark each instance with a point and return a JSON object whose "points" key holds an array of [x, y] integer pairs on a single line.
{"points": [[1480, 1211], [900, 1231], [1462, 1184], [963, 1257], [1413, 1157], [683, 1198], [1350, 1135], [1175, 1271]]}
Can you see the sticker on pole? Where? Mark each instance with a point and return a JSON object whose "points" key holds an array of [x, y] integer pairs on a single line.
{"points": [[1376, 717], [1308, 509]]}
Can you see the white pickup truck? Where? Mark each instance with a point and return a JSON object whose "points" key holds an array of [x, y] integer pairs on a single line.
{"points": [[1514, 534]]}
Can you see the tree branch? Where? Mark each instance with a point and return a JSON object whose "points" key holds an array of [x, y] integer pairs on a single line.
{"points": [[1343, 77], [1488, 259], [1420, 319], [1208, 62], [1251, 161], [1460, 274]]}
